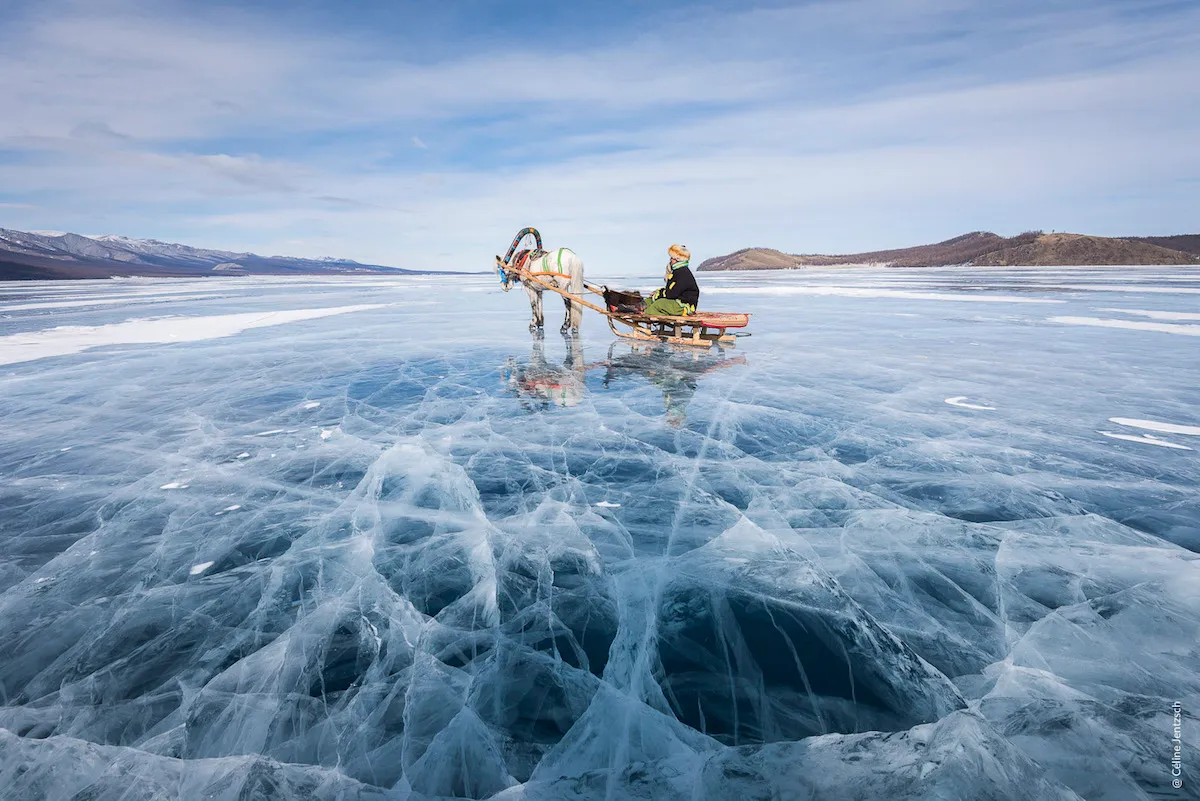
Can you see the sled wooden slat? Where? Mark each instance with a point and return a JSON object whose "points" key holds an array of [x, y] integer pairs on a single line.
{"points": [[707, 319], [674, 330]]}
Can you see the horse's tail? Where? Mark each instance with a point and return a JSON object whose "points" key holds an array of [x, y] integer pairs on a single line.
{"points": [[577, 289]]}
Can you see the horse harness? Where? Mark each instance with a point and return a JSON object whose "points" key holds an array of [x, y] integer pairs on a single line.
{"points": [[538, 262]]}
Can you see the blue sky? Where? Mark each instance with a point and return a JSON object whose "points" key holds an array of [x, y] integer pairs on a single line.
{"points": [[425, 135]]}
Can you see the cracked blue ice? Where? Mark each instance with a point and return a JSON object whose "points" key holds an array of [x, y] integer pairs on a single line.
{"points": [[925, 534]]}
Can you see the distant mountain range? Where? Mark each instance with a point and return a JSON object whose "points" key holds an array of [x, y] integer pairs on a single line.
{"points": [[39, 255], [1030, 249]]}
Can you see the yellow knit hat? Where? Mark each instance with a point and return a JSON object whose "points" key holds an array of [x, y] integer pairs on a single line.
{"points": [[679, 252]]}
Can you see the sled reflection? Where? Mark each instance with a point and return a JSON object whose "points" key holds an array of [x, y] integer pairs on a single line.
{"points": [[676, 370]]}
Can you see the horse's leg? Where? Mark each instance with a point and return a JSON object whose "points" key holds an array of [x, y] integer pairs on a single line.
{"points": [[535, 307], [575, 309], [566, 326]]}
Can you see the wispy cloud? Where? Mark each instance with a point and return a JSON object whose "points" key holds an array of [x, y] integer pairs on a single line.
{"points": [[97, 130], [826, 126]]}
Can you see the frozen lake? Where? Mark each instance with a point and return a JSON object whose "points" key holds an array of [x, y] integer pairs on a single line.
{"points": [[924, 534]]}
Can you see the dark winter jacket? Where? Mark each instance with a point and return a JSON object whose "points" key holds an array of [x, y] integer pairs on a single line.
{"points": [[681, 286]]}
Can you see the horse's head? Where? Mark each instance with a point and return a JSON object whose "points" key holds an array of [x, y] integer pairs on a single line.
{"points": [[506, 276]]}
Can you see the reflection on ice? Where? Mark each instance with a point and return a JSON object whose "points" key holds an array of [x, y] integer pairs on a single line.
{"points": [[674, 369], [402, 553], [539, 384]]}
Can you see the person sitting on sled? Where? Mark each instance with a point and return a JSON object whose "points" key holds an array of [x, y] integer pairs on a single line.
{"points": [[680, 295]]}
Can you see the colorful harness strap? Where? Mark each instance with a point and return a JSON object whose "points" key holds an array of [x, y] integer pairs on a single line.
{"points": [[547, 267], [524, 232]]}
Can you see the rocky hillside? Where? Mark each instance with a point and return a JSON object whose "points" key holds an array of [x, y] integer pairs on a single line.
{"points": [[1032, 248], [1188, 243], [1066, 249]]}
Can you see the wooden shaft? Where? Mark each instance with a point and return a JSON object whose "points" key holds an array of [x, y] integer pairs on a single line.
{"points": [[567, 294]]}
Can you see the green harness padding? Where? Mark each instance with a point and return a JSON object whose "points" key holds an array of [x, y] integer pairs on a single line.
{"points": [[550, 263]]}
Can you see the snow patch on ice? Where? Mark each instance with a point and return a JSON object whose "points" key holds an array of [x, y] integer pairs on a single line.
{"points": [[200, 568], [1132, 325], [1156, 315], [311, 405], [115, 301], [961, 402], [70, 339], [174, 485], [1154, 290], [1148, 439], [1154, 425]]}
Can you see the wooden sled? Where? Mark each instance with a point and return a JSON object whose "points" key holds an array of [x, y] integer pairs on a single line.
{"points": [[703, 329]]}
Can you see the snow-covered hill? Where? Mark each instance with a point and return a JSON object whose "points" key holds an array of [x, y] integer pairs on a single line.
{"points": [[56, 254], [153, 248]]}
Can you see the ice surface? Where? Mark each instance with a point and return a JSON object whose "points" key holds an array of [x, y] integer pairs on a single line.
{"points": [[919, 536]]}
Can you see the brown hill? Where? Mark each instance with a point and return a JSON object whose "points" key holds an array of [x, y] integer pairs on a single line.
{"points": [[1070, 249], [959, 250], [1032, 248], [1188, 243], [751, 259]]}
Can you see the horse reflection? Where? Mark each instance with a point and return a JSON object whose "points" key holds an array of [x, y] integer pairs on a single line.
{"points": [[540, 385]]}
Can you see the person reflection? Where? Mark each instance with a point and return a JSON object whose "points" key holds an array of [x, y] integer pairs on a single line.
{"points": [[674, 369]]}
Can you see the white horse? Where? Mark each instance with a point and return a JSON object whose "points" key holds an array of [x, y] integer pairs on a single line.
{"points": [[535, 269]]}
